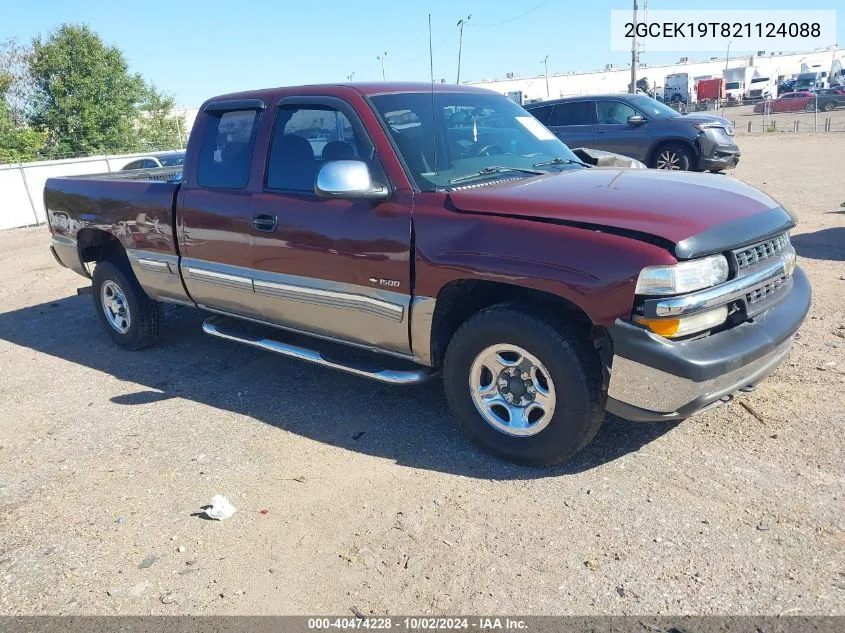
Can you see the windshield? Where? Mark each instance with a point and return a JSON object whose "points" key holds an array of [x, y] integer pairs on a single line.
{"points": [[652, 107], [732, 85], [475, 133]]}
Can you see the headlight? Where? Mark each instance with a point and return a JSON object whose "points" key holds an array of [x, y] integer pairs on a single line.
{"points": [[681, 326], [683, 276]]}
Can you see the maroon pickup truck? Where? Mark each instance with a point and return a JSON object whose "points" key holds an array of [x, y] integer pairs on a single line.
{"points": [[409, 229]]}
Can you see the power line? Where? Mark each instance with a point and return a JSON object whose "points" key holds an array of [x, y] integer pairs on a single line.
{"points": [[416, 59], [516, 17]]}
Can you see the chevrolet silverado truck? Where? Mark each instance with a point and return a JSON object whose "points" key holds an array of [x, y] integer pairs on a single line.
{"points": [[410, 229]]}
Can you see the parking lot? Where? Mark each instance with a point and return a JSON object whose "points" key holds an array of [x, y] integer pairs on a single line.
{"points": [[353, 495], [779, 122]]}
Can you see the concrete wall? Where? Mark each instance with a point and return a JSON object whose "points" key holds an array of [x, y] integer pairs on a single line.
{"points": [[617, 80], [22, 186]]}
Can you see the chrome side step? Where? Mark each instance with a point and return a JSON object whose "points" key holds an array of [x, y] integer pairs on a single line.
{"points": [[216, 326]]}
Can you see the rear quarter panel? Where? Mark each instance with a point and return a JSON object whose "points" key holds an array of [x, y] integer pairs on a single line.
{"points": [[138, 213]]}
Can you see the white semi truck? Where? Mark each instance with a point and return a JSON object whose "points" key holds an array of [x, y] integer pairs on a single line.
{"points": [[737, 81]]}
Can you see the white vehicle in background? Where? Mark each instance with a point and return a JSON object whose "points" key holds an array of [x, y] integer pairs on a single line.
{"points": [[762, 87], [811, 80], [679, 88], [737, 81]]}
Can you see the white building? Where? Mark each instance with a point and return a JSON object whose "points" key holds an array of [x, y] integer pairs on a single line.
{"points": [[614, 79]]}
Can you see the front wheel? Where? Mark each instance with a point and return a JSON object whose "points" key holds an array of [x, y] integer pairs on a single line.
{"points": [[524, 387], [673, 157], [127, 314]]}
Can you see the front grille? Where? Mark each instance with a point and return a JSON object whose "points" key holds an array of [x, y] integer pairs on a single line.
{"points": [[750, 255], [766, 290]]}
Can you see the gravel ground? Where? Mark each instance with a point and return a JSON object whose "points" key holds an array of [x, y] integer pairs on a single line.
{"points": [[353, 494]]}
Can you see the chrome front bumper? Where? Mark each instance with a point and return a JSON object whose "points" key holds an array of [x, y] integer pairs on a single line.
{"points": [[653, 378]]}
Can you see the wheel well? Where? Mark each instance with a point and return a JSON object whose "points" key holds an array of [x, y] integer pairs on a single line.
{"points": [[672, 141], [459, 300], [96, 245]]}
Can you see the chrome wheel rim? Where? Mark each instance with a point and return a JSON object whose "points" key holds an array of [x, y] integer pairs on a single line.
{"points": [[668, 159], [115, 307], [512, 390]]}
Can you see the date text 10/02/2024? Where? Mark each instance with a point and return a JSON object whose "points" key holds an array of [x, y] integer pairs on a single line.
{"points": [[418, 623]]}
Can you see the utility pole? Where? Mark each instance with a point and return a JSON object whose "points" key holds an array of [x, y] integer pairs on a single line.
{"points": [[546, 62], [728, 55], [634, 53], [461, 44], [381, 59]]}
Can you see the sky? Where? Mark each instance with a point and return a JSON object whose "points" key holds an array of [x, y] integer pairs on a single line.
{"points": [[195, 49]]}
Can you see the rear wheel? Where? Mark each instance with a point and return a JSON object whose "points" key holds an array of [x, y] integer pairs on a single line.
{"points": [[673, 157], [127, 314], [810, 107], [524, 387]]}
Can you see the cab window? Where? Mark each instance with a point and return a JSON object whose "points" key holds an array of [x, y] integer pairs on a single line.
{"points": [[226, 149], [613, 112], [305, 137]]}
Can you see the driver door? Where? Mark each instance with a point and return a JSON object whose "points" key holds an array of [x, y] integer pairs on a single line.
{"points": [[338, 268], [615, 134]]}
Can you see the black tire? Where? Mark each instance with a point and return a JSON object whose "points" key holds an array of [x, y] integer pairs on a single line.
{"points": [[574, 369], [810, 107], [676, 153], [145, 315]]}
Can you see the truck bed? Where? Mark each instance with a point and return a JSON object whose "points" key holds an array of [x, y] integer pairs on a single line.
{"points": [[136, 207]]}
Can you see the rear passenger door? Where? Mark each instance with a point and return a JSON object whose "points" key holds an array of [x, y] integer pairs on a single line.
{"points": [[214, 221], [333, 267], [615, 134], [572, 122]]}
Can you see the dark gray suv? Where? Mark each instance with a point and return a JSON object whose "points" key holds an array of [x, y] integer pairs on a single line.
{"points": [[642, 128]]}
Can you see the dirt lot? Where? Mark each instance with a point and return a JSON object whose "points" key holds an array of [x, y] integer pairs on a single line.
{"points": [[373, 498]]}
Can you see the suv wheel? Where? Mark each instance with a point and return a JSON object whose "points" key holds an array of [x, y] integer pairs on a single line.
{"points": [[524, 387], [127, 314], [672, 157]]}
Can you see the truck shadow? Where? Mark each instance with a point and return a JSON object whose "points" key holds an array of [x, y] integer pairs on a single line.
{"points": [[826, 244], [410, 425]]}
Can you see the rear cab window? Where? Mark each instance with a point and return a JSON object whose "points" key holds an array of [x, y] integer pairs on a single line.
{"points": [[226, 148]]}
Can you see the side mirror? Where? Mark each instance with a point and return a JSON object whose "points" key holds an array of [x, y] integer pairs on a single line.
{"points": [[348, 179], [636, 119]]}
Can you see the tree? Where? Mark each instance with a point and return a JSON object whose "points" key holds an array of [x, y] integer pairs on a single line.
{"points": [[84, 96], [15, 78], [158, 128], [18, 143]]}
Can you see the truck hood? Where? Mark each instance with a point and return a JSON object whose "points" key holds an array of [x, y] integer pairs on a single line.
{"points": [[694, 213]]}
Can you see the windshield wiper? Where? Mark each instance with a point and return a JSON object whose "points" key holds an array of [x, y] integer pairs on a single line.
{"points": [[561, 161], [497, 169]]}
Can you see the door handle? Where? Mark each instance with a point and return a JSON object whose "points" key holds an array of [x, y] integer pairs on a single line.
{"points": [[601, 131], [265, 222]]}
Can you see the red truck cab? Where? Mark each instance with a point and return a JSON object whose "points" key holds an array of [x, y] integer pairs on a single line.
{"points": [[443, 229]]}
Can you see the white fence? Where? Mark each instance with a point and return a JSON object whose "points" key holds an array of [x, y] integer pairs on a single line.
{"points": [[22, 186]]}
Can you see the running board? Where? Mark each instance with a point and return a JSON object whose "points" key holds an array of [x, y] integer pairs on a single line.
{"points": [[217, 326]]}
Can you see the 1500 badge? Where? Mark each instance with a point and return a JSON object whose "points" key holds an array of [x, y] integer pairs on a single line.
{"points": [[390, 283]]}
